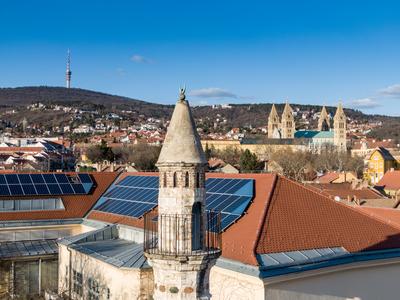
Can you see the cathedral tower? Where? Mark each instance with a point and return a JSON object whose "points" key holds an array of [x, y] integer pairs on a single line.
{"points": [[273, 123], [287, 123], [324, 122], [180, 259], [339, 127]]}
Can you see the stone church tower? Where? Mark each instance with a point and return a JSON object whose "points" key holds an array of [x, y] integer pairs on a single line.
{"points": [[181, 260], [324, 122], [273, 123], [287, 123], [339, 129]]}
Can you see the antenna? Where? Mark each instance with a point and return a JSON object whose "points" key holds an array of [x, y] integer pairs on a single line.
{"points": [[68, 72]]}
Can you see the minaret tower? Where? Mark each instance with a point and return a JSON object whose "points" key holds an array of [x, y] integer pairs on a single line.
{"points": [[324, 122], [287, 123], [339, 129], [68, 71], [181, 259], [273, 123]]}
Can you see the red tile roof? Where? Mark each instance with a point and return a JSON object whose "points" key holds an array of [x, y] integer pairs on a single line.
{"points": [[345, 191], [390, 181], [390, 216], [76, 206], [287, 216], [300, 218], [328, 177]]}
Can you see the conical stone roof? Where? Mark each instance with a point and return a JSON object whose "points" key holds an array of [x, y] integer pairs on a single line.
{"points": [[273, 114], [182, 143], [339, 111]]}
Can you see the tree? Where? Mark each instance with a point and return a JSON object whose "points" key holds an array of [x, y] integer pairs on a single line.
{"points": [[249, 161], [143, 156], [99, 153]]}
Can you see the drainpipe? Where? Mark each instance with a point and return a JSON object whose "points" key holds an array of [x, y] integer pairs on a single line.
{"points": [[40, 276], [69, 274], [12, 277]]}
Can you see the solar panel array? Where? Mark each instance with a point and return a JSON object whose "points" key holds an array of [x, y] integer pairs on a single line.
{"points": [[228, 196], [136, 195], [133, 196], [44, 184]]}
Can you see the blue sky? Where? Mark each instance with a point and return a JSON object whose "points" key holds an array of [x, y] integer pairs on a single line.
{"points": [[224, 51]]}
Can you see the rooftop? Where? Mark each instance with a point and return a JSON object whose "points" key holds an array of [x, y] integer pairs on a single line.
{"points": [[390, 180]]}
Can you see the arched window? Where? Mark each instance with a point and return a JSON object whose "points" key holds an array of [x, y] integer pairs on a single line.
{"points": [[165, 180], [187, 179], [197, 180], [175, 180]]}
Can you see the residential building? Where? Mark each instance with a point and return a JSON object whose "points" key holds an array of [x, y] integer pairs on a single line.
{"points": [[380, 161]]}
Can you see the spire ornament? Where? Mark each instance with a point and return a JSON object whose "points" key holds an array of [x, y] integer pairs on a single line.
{"points": [[182, 96]]}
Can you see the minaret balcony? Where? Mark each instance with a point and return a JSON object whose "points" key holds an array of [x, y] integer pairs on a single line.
{"points": [[182, 236]]}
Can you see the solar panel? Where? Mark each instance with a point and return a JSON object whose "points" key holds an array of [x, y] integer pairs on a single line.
{"points": [[136, 195], [133, 196], [44, 184]]}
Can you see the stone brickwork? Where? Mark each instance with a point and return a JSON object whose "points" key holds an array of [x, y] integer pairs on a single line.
{"points": [[339, 127], [180, 261]]}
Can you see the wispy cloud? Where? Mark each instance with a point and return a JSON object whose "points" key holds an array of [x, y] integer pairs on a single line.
{"points": [[213, 93], [120, 71], [141, 59], [364, 103], [392, 90]]}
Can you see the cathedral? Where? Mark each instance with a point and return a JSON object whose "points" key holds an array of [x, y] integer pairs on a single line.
{"points": [[284, 128]]}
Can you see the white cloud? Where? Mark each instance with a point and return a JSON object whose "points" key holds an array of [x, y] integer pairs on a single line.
{"points": [[140, 59], [212, 93], [364, 103], [392, 90]]}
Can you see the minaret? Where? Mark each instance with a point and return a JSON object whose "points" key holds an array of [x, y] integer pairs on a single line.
{"points": [[68, 72], [273, 123], [287, 123], [181, 259], [324, 123], [339, 129]]}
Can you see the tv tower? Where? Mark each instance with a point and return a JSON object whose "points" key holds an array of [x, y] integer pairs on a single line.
{"points": [[68, 72]]}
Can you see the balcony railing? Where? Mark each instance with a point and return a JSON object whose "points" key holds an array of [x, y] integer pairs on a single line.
{"points": [[182, 235]]}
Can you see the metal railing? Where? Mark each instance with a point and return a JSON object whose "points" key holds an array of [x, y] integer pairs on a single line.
{"points": [[178, 235]]}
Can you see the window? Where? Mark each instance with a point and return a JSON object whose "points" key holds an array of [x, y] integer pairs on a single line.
{"points": [[175, 180], [31, 204], [77, 282], [93, 286], [165, 180], [198, 180], [187, 179]]}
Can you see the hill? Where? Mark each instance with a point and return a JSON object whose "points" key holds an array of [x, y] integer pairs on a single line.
{"points": [[237, 115]]}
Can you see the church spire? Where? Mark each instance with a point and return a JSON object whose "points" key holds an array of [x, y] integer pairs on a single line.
{"points": [[339, 127], [273, 123], [324, 120], [287, 122]]}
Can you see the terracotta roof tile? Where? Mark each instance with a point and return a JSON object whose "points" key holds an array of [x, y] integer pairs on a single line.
{"points": [[327, 178], [287, 216], [300, 218], [391, 180], [390, 216]]}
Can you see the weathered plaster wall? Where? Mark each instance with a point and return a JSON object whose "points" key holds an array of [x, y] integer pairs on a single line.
{"points": [[123, 283]]}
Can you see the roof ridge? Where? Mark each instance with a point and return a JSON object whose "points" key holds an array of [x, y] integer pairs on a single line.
{"points": [[342, 204], [263, 220]]}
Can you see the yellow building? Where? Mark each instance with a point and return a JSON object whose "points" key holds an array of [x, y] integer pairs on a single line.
{"points": [[380, 161]]}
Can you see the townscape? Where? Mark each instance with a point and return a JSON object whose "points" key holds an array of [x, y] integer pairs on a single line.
{"points": [[208, 194]]}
